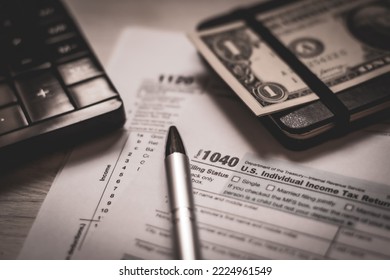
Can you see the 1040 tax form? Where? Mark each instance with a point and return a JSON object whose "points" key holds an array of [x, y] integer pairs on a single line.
{"points": [[254, 199]]}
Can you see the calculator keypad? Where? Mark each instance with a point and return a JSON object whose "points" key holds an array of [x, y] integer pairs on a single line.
{"points": [[47, 70]]}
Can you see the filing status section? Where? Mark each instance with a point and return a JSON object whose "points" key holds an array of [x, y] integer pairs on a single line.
{"points": [[297, 211]]}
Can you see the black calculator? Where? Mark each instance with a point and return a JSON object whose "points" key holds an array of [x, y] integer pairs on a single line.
{"points": [[53, 90]]}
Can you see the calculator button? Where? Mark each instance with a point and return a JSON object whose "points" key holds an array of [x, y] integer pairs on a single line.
{"points": [[7, 23], [43, 95], [91, 92], [17, 42], [79, 70], [66, 48], [11, 118], [6, 95], [48, 11], [8, 16], [57, 29]]}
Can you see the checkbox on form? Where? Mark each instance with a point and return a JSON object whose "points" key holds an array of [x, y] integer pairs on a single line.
{"points": [[236, 179], [270, 188], [348, 207]]}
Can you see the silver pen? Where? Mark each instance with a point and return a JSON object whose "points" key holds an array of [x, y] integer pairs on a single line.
{"points": [[181, 198]]}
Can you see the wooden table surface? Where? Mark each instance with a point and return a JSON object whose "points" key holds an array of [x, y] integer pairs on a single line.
{"points": [[24, 188]]}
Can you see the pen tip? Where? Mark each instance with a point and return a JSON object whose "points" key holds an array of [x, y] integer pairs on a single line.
{"points": [[174, 142]]}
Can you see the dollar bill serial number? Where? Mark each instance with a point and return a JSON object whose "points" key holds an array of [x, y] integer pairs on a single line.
{"points": [[237, 270]]}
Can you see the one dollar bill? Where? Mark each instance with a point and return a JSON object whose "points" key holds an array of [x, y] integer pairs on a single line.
{"points": [[343, 42]]}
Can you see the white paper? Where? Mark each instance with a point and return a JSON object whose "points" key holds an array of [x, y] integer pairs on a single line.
{"points": [[110, 199]]}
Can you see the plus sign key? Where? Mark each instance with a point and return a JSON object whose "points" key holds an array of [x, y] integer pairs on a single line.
{"points": [[43, 95]]}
